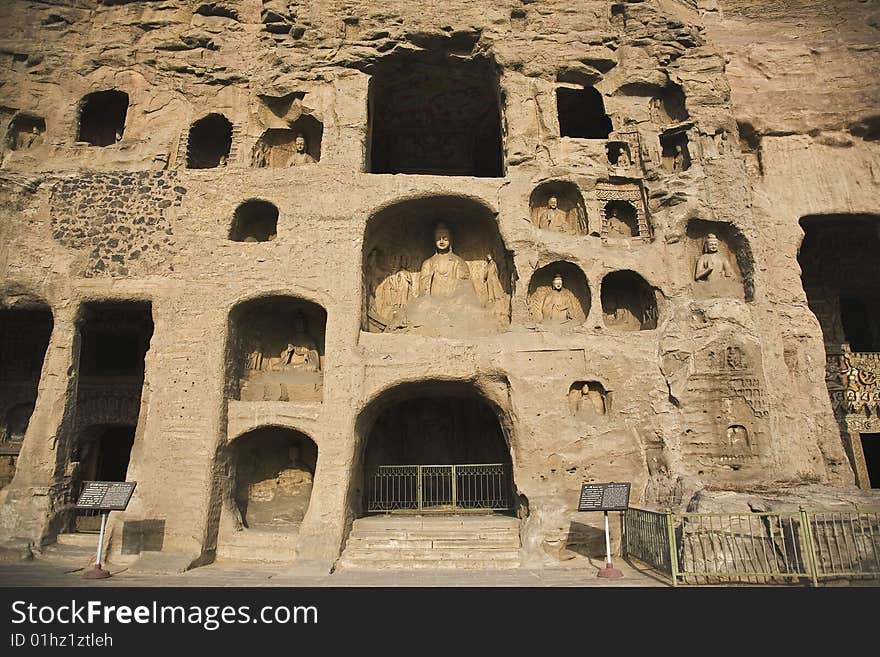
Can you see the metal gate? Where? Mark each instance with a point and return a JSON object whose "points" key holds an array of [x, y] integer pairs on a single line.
{"points": [[439, 488]]}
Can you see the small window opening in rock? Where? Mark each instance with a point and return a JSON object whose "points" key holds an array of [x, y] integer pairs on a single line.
{"points": [[628, 302], [254, 221], [441, 119], [115, 339], [673, 102], [621, 219], [25, 131], [209, 143], [676, 156], [582, 113], [102, 117], [871, 450]]}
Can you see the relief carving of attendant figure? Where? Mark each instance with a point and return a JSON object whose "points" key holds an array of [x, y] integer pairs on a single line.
{"points": [[560, 306], [300, 156], [712, 265], [444, 273], [623, 157]]}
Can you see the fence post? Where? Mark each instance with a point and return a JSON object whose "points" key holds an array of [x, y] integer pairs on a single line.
{"points": [[807, 546], [419, 487], [673, 550], [454, 500]]}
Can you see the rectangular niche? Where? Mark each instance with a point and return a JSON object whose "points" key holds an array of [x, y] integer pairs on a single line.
{"points": [[622, 209]]}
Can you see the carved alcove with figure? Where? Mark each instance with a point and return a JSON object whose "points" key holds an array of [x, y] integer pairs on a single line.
{"points": [[675, 152], [559, 295], [276, 350], [623, 213], [629, 303], [720, 261], [557, 205], [435, 266], [287, 147], [25, 131], [273, 470], [589, 400]]}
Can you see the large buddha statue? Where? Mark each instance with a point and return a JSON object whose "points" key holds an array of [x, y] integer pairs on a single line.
{"points": [[444, 274]]}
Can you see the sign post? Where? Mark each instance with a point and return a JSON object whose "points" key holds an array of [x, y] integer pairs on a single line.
{"points": [[104, 496], [605, 497]]}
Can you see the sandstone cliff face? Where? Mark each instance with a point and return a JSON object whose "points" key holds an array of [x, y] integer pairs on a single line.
{"points": [[723, 389]]}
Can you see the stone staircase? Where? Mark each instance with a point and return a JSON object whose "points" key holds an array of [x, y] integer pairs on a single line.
{"points": [[78, 548], [260, 546], [476, 542]]}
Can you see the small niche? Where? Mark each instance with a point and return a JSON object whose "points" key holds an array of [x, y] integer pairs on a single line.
{"points": [[209, 142], [25, 131], [628, 302], [254, 221], [582, 113], [559, 295], [720, 260], [557, 205], [285, 147], [621, 219], [676, 156], [102, 117], [669, 106], [619, 154], [588, 400]]}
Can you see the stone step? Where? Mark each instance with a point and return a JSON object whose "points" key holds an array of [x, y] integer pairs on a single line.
{"points": [[80, 539], [427, 542], [407, 554], [257, 546], [445, 564]]}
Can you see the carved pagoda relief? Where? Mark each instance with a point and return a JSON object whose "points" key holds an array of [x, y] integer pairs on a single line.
{"points": [[436, 267], [558, 206], [623, 213], [726, 407], [717, 254], [279, 350], [559, 296]]}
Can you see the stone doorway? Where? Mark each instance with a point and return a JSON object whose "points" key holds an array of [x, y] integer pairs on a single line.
{"points": [[437, 450], [104, 454]]}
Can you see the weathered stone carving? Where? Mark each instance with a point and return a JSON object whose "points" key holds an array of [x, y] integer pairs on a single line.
{"points": [[282, 363], [557, 305], [588, 400], [447, 291], [300, 155], [853, 381], [557, 206], [714, 273]]}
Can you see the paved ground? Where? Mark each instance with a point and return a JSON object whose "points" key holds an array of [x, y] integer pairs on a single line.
{"points": [[65, 572]]}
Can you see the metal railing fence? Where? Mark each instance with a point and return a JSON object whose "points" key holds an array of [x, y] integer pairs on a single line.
{"points": [[439, 488], [760, 547]]}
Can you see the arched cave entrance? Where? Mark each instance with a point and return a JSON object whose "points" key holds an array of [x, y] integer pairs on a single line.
{"points": [[24, 338], [840, 271], [254, 221], [276, 350], [209, 142], [435, 447], [628, 302], [102, 117], [430, 117], [273, 470]]}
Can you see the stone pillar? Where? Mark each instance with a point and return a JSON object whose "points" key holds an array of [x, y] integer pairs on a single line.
{"points": [[29, 506]]}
